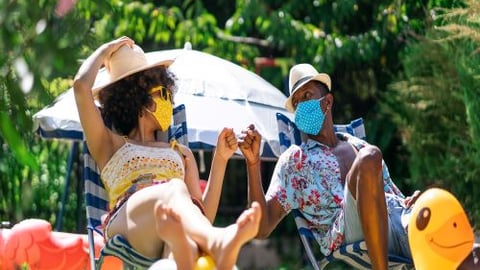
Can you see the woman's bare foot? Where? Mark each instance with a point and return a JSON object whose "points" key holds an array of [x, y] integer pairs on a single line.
{"points": [[233, 237], [169, 228]]}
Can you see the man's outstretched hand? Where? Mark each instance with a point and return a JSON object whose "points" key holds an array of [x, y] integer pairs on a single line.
{"points": [[249, 144]]}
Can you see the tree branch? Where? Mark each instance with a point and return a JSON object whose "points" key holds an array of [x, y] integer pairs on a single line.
{"points": [[246, 40]]}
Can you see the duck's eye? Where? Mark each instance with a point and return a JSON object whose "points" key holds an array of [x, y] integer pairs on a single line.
{"points": [[423, 218]]}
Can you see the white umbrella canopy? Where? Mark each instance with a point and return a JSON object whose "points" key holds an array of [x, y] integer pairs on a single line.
{"points": [[216, 93]]}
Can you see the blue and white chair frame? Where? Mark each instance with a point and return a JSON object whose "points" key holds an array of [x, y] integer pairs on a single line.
{"points": [[96, 201], [354, 254]]}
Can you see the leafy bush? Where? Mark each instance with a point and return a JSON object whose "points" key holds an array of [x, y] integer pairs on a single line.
{"points": [[436, 105]]}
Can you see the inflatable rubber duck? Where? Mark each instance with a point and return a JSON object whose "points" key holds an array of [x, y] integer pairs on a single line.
{"points": [[439, 233]]}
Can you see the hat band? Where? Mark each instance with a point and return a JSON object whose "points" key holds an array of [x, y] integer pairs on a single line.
{"points": [[295, 85]]}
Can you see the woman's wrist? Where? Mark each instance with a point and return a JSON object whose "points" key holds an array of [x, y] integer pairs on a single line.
{"points": [[217, 157]]}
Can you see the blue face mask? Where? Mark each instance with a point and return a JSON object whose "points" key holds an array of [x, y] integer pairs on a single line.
{"points": [[309, 116]]}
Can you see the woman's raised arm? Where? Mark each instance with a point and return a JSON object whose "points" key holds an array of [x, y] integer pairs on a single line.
{"points": [[100, 140]]}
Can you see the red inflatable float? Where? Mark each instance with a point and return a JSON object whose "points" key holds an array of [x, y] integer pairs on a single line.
{"points": [[32, 242]]}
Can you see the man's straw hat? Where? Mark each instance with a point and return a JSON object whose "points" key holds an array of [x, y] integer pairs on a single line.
{"points": [[300, 75]]}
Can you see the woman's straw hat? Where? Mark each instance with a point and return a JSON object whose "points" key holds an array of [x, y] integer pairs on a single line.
{"points": [[122, 63]]}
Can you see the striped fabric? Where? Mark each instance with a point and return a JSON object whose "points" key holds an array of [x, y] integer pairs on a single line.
{"points": [[119, 247], [354, 254], [178, 130], [288, 132], [96, 201], [355, 128]]}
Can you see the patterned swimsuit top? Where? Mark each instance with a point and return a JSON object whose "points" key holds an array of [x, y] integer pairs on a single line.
{"points": [[134, 166]]}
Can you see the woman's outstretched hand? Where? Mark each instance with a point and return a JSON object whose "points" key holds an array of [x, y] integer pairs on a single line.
{"points": [[226, 143]]}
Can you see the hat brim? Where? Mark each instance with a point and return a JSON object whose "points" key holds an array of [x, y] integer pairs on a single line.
{"points": [[103, 80], [322, 77]]}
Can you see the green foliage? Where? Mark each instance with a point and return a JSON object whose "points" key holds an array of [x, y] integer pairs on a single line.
{"points": [[156, 27], [436, 105], [37, 46], [26, 193]]}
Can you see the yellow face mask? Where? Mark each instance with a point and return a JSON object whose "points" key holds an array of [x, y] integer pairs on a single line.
{"points": [[163, 107]]}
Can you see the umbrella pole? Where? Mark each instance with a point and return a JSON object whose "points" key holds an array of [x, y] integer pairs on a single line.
{"points": [[61, 212]]}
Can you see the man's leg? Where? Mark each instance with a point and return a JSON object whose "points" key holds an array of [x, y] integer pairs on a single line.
{"points": [[366, 186]]}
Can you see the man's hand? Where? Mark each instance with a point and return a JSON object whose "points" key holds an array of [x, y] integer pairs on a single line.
{"points": [[226, 143], [409, 201], [249, 143]]}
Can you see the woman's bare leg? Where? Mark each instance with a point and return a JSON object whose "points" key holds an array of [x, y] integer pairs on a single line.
{"points": [[226, 249], [137, 223], [170, 229], [223, 244]]}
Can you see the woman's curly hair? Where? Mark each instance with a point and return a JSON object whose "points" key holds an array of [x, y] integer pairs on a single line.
{"points": [[123, 101]]}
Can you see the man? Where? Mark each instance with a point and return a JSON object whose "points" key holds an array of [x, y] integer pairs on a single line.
{"points": [[339, 182]]}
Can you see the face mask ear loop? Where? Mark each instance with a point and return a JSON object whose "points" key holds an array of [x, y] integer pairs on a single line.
{"points": [[154, 104], [320, 101]]}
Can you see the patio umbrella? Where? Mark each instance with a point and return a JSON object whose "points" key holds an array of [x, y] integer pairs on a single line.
{"points": [[216, 93]]}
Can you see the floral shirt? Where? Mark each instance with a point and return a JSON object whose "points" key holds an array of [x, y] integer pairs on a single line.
{"points": [[307, 178]]}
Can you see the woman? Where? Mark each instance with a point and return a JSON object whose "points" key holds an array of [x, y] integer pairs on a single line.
{"points": [[153, 186]]}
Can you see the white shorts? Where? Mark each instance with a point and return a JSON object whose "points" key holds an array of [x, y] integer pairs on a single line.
{"points": [[397, 224]]}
